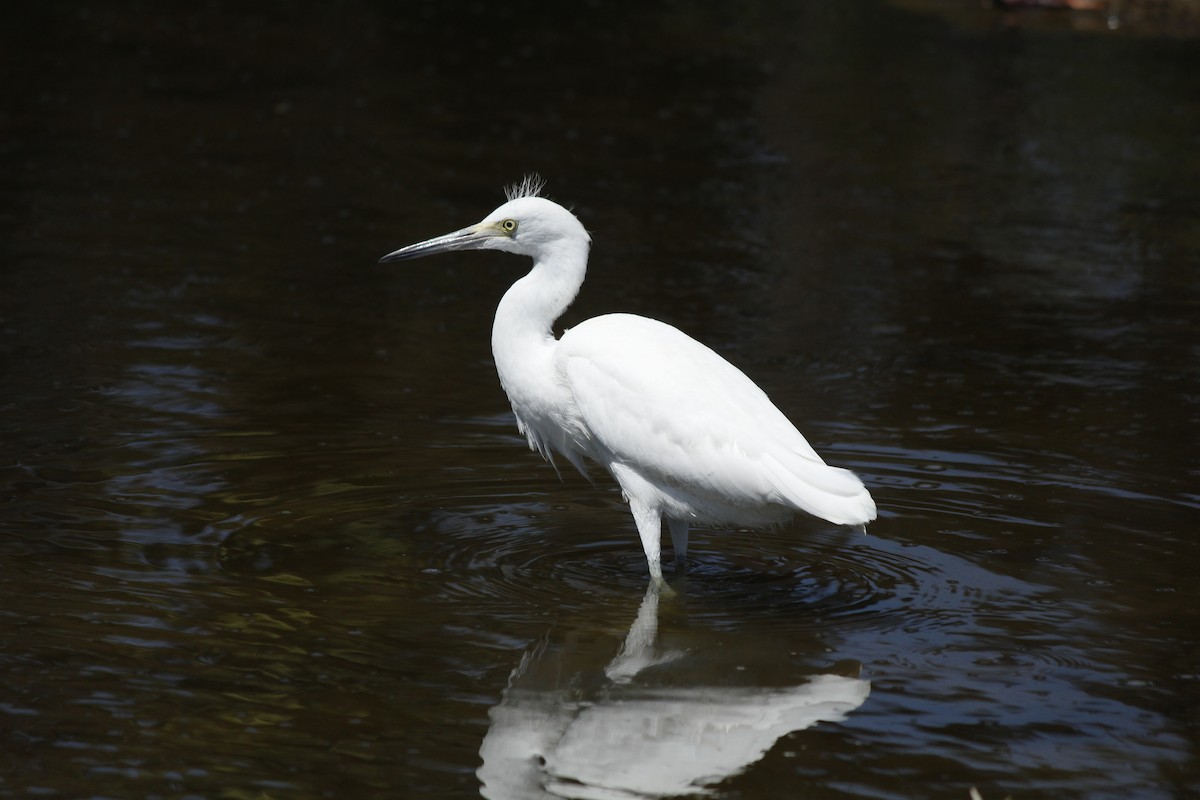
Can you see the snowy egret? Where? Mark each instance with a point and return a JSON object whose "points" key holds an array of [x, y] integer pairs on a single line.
{"points": [[686, 434]]}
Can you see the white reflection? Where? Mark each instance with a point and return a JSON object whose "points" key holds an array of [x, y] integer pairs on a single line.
{"points": [[551, 736]]}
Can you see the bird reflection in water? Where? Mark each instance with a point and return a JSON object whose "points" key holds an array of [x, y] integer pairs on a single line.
{"points": [[559, 732]]}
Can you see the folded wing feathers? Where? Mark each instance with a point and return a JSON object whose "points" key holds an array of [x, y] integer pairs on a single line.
{"points": [[727, 438]]}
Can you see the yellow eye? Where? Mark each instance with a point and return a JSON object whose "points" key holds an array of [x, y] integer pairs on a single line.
{"points": [[509, 225]]}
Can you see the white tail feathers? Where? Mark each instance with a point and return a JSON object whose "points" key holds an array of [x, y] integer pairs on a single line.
{"points": [[831, 493]]}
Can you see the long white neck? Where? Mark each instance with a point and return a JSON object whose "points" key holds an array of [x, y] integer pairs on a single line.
{"points": [[524, 325]]}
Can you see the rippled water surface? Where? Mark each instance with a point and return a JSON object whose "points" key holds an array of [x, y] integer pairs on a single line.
{"points": [[267, 529]]}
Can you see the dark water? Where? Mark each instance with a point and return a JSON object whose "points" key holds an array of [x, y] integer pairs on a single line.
{"points": [[268, 530]]}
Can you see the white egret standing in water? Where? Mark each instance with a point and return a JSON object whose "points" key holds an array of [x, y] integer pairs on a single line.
{"points": [[685, 433]]}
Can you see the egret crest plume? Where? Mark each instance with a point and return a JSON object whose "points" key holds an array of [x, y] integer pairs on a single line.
{"points": [[529, 186]]}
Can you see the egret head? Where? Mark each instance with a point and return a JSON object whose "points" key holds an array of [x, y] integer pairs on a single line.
{"points": [[527, 225]]}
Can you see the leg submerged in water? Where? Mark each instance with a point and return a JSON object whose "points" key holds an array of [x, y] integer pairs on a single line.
{"points": [[649, 525]]}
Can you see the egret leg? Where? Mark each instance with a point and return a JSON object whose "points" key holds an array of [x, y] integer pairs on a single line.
{"points": [[649, 525], [679, 543]]}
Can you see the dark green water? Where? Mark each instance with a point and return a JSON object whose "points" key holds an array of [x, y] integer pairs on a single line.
{"points": [[267, 529]]}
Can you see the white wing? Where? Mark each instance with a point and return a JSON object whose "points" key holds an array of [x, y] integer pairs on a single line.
{"points": [[670, 408]]}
